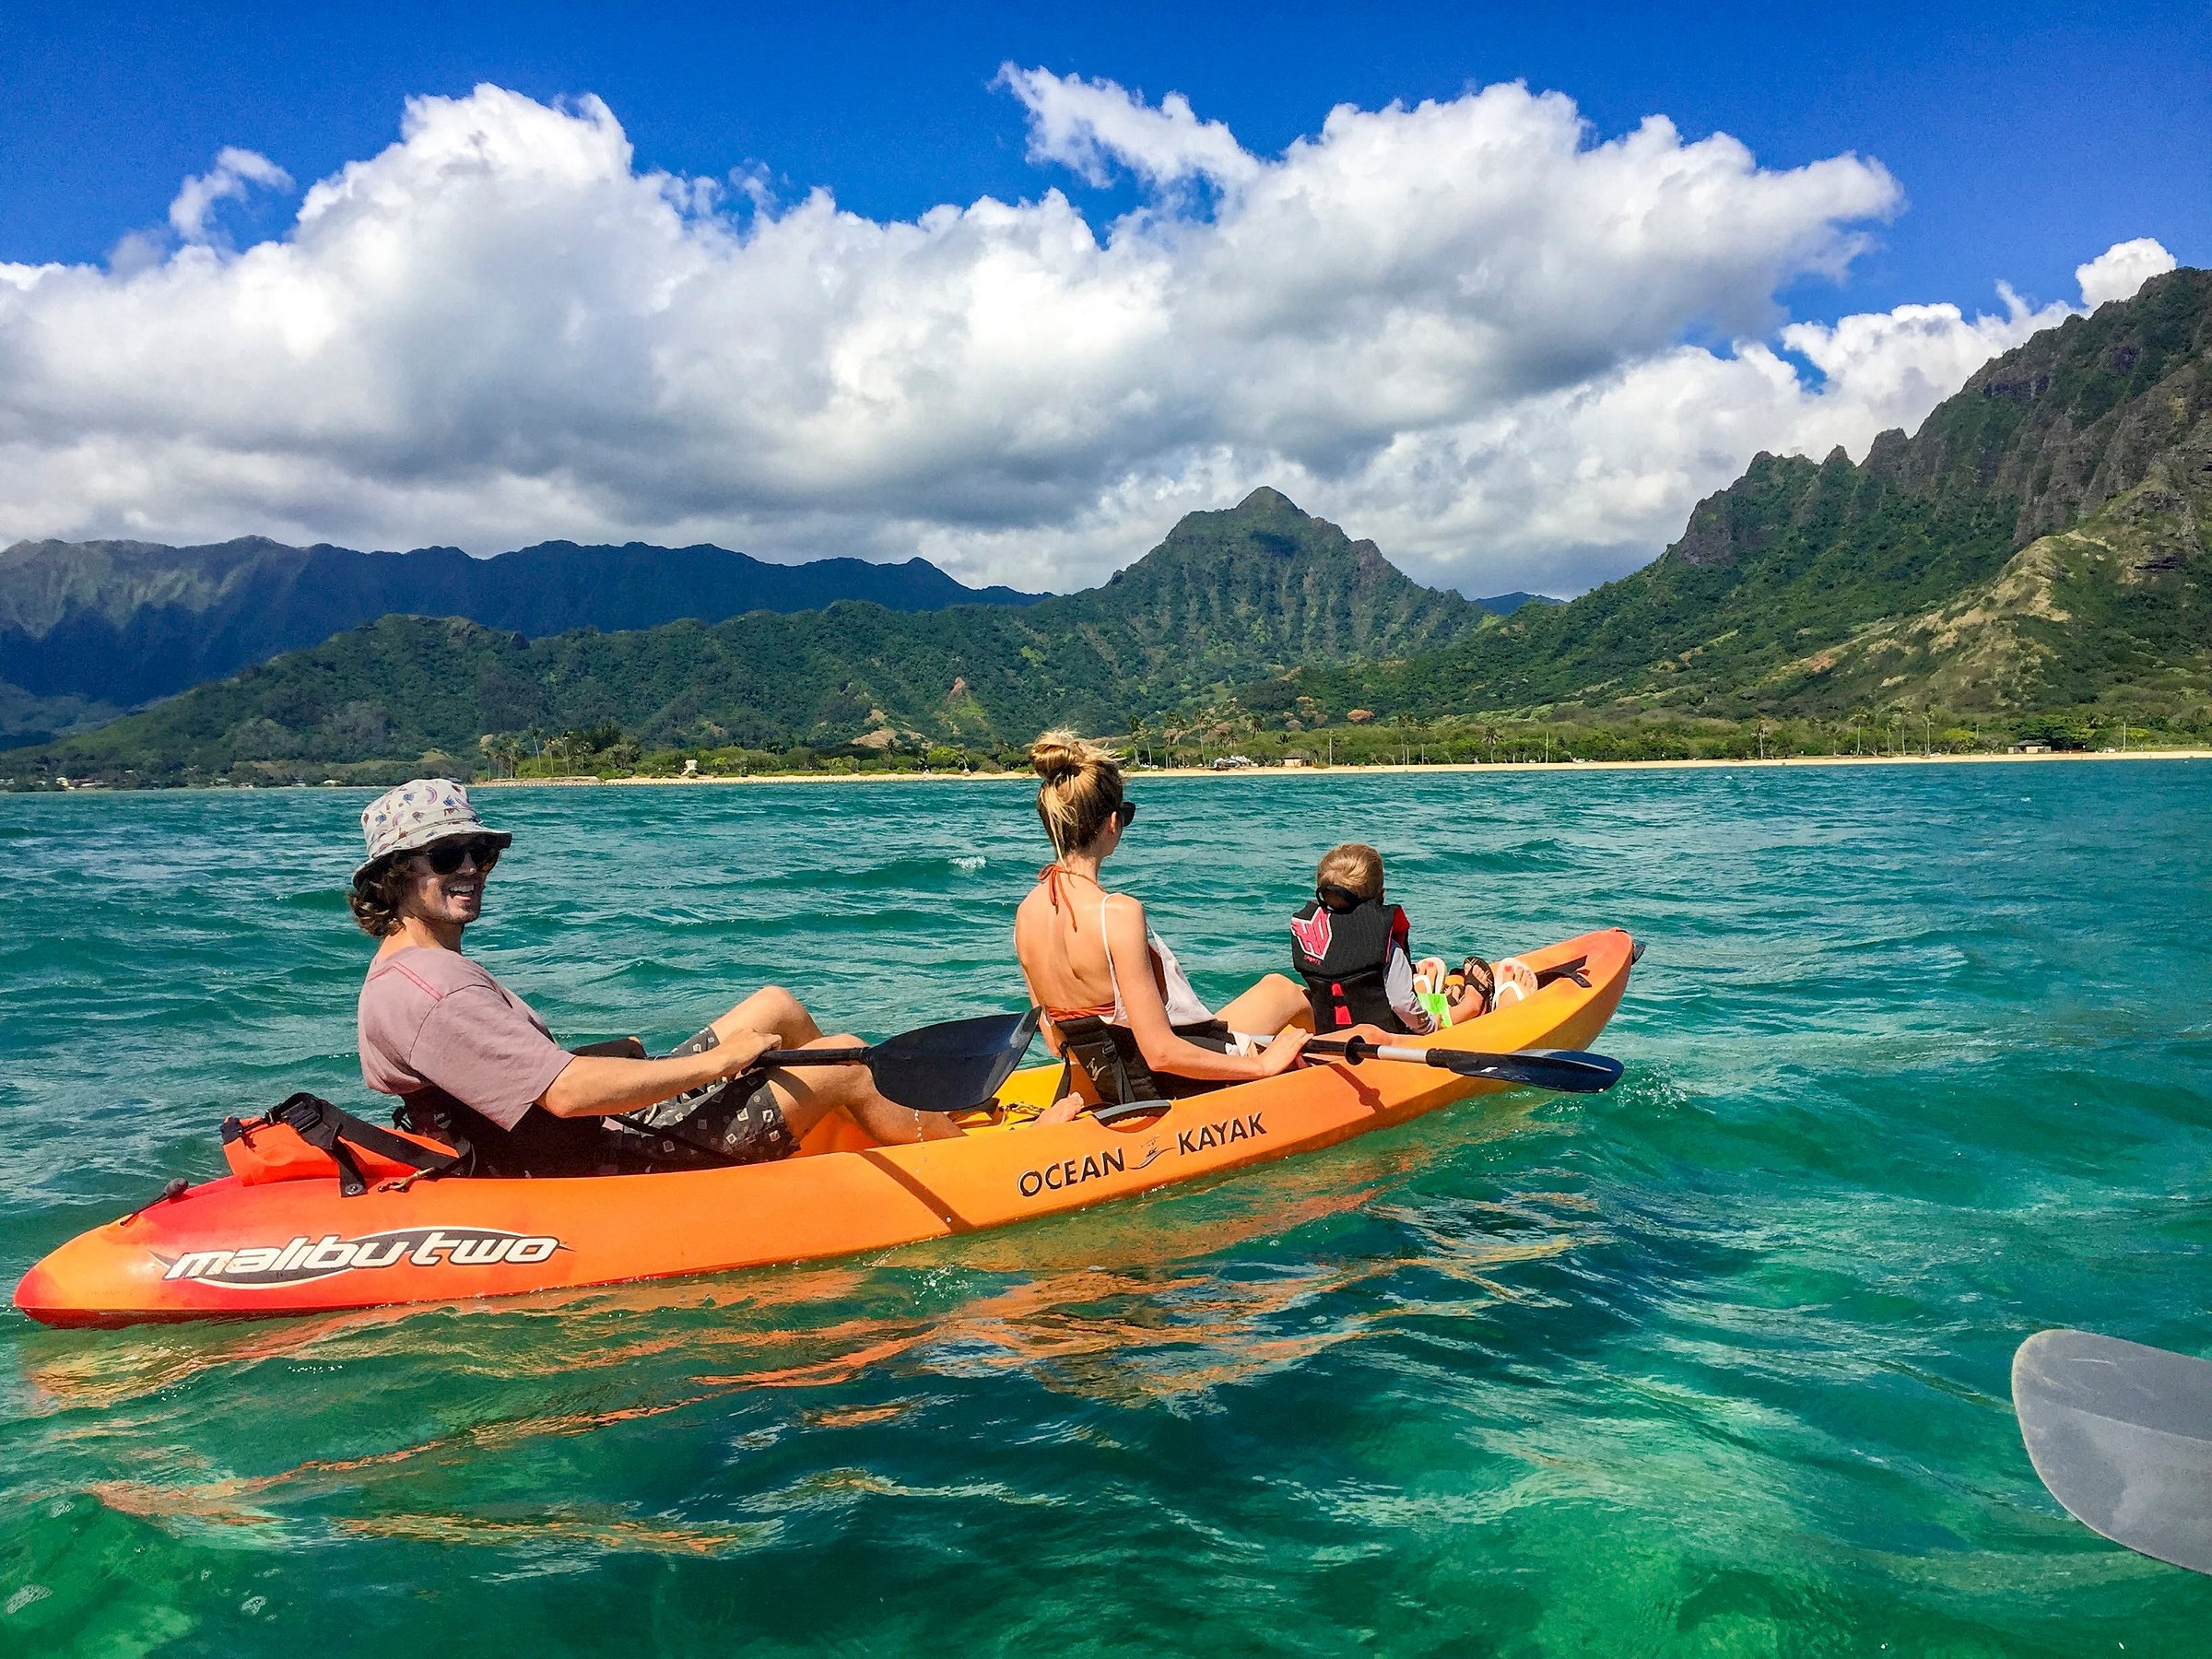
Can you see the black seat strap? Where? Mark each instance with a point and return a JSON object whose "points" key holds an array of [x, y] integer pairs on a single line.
{"points": [[1110, 1058], [328, 1127]]}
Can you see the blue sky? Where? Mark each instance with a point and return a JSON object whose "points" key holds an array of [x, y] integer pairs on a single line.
{"points": [[2026, 137], [396, 277]]}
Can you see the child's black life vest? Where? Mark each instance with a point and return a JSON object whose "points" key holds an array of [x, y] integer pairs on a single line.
{"points": [[1342, 956]]}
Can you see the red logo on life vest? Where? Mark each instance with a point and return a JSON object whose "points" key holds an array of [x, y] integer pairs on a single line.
{"points": [[1312, 933]]}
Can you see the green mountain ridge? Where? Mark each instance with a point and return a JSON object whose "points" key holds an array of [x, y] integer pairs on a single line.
{"points": [[1226, 596], [1782, 584], [91, 628]]}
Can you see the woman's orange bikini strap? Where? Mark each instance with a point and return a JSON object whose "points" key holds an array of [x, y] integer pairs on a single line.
{"points": [[1097, 1011], [1056, 877]]}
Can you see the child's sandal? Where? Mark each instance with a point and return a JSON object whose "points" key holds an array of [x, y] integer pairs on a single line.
{"points": [[1477, 972]]}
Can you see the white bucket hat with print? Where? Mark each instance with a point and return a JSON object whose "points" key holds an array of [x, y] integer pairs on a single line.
{"points": [[418, 812]]}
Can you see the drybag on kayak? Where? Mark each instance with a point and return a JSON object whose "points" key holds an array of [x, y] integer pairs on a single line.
{"points": [[307, 1138]]}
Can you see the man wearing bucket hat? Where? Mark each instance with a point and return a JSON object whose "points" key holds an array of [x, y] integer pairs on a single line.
{"points": [[470, 1060]]}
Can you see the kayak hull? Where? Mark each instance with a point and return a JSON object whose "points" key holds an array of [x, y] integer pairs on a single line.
{"points": [[225, 1250]]}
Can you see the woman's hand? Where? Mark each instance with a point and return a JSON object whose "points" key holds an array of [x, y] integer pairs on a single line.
{"points": [[1281, 1055]]}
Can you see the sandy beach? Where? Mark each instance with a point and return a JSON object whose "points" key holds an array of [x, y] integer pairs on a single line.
{"points": [[1564, 766]]}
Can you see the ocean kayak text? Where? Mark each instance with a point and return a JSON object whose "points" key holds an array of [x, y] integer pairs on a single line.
{"points": [[1075, 1171]]}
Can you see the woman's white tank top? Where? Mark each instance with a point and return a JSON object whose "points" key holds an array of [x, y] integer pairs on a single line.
{"points": [[1185, 1008]]}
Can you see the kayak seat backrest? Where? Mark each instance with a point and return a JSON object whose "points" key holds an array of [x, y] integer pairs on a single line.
{"points": [[307, 1138], [1110, 1058]]}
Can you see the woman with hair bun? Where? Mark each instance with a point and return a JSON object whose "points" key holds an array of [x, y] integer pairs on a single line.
{"points": [[1117, 1004]]}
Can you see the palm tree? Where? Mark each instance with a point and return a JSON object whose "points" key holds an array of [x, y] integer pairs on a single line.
{"points": [[502, 749]]}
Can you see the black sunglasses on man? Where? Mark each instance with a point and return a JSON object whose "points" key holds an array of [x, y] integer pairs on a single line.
{"points": [[445, 856]]}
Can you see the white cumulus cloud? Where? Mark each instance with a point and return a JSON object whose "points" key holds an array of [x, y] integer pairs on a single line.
{"points": [[1468, 328], [2120, 270], [235, 172], [1092, 125]]}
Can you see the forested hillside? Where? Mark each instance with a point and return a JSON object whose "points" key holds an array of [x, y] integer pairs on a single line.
{"points": [[2039, 542], [114, 624], [1227, 596]]}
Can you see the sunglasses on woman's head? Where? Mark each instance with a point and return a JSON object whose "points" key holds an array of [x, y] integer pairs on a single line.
{"points": [[445, 856], [1124, 812]]}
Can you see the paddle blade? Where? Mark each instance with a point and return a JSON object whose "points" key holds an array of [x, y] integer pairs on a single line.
{"points": [[952, 1067], [2122, 1435], [1567, 1071]]}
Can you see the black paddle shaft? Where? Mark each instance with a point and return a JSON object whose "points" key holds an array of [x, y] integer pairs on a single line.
{"points": [[1570, 1071]]}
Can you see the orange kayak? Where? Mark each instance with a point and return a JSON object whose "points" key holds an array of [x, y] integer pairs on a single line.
{"points": [[226, 1250]]}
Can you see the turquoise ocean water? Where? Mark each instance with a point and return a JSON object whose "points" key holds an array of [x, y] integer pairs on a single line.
{"points": [[1714, 1364]]}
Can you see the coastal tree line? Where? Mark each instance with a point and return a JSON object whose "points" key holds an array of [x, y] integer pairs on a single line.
{"points": [[1212, 734]]}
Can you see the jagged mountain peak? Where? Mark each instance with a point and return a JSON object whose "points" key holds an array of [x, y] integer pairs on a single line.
{"points": [[1266, 526], [2041, 541]]}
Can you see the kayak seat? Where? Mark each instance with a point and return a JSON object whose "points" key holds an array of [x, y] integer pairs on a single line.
{"points": [[1115, 1066]]}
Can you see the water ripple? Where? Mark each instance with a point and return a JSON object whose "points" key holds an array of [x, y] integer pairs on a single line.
{"points": [[1713, 1363]]}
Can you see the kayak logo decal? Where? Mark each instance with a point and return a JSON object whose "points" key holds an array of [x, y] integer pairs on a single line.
{"points": [[1075, 1171], [1207, 1136], [303, 1259]]}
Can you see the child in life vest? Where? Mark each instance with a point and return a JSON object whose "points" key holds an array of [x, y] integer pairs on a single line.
{"points": [[1353, 949]]}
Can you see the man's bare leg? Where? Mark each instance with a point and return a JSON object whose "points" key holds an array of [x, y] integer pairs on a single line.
{"points": [[808, 1094], [772, 1009]]}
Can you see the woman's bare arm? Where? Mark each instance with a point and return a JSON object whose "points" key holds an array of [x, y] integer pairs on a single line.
{"points": [[1156, 1040]]}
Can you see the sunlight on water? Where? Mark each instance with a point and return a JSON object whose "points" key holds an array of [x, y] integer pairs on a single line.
{"points": [[1716, 1363]]}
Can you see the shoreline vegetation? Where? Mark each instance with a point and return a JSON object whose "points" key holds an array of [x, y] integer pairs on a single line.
{"points": [[1223, 737], [1002, 774], [1366, 770], [1220, 736]]}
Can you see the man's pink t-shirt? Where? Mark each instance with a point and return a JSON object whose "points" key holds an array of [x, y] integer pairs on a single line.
{"points": [[432, 1018]]}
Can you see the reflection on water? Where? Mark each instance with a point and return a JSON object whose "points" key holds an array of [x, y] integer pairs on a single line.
{"points": [[1714, 1363], [1121, 1306]]}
